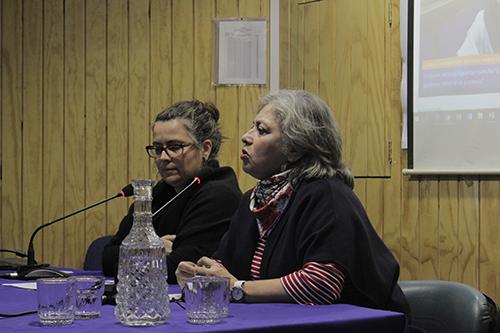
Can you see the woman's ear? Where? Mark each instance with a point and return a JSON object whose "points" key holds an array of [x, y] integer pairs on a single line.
{"points": [[293, 156], [206, 149]]}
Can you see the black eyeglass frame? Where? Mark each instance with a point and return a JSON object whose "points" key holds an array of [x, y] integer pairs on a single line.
{"points": [[152, 149]]}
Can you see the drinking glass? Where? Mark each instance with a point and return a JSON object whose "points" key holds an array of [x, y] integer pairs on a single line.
{"points": [[207, 299], [56, 301], [88, 292]]}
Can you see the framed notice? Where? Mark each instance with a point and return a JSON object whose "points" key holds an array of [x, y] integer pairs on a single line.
{"points": [[240, 51]]}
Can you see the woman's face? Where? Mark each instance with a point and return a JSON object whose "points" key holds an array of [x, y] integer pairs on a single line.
{"points": [[180, 165], [262, 152]]}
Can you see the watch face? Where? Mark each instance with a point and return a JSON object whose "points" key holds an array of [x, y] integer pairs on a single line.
{"points": [[237, 294]]}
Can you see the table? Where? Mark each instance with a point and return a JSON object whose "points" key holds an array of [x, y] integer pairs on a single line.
{"points": [[246, 318]]}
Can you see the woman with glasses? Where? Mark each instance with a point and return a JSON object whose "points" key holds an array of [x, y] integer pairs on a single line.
{"points": [[301, 234], [186, 140]]}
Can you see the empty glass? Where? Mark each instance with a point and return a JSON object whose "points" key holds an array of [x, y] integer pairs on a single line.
{"points": [[207, 299], [88, 291], [56, 301]]}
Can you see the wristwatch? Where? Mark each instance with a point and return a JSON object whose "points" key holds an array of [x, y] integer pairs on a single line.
{"points": [[237, 292]]}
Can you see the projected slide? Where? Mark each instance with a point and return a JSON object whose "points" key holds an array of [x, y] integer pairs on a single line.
{"points": [[456, 84]]}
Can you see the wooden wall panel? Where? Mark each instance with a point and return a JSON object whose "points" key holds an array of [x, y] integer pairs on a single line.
{"points": [[227, 100], [342, 73], [161, 63], [139, 89], [95, 117], [410, 232], [393, 186], [357, 119], [183, 53], [32, 106], [117, 86], [12, 226], [204, 12], [360, 190], [448, 229], [74, 133], [376, 141], [311, 47], [284, 39], [53, 123], [489, 247], [429, 230], [375, 203], [296, 68], [327, 42], [161, 56], [468, 232]]}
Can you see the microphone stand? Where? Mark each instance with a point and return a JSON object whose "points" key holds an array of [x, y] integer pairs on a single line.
{"points": [[23, 272]]}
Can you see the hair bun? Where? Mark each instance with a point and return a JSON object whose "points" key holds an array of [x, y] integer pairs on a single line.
{"points": [[212, 110]]}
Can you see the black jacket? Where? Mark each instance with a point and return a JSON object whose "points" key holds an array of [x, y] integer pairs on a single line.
{"points": [[323, 222], [199, 218]]}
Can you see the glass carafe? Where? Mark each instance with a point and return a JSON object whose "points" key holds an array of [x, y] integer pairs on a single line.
{"points": [[142, 289]]}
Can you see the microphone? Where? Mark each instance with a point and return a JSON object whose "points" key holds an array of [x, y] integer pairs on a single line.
{"points": [[204, 173], [32, 270]]}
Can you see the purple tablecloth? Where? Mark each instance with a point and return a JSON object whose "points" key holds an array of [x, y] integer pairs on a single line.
{"points": [[242, 318]]}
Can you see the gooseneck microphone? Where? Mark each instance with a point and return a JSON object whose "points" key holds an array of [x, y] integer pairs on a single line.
{"points": [[205, 172], [30, 270]]}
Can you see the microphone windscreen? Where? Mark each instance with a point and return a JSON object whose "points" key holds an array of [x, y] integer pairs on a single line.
{"points": [[127, 191], [205, 173]]}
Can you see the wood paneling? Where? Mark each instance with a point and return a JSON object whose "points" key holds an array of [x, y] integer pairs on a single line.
{"points": [[489, 246], [376, 144], [11, 125], [32, 104], [117, 86], [227, 99], [183, 53], [139, 110], [95, 117], [204, 12], [437, 227], [74, 135], [53, 128], [81, 82]]}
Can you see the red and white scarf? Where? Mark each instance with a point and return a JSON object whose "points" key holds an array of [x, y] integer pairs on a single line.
{"points": [[269, 199]]}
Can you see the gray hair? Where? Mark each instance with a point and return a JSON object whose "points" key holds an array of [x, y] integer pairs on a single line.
{"points": [[201, 120], [310, 133]]}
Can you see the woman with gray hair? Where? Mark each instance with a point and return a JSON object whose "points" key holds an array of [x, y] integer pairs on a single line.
{"points": [[301, 235], [186, 140]]}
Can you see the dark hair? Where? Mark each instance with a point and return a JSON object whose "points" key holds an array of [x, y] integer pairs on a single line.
{"points": [[201, 120], [310, 133]]}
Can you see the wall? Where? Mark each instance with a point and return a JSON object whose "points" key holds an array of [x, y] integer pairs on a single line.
{"points": [[82, 80], [348, 52]]}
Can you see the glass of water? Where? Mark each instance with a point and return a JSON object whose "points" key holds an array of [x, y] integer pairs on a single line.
{"points": [[56, 301], [207, 300], [88, 293]]}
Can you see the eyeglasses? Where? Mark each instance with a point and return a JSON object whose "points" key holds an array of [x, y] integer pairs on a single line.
{"points": [[173, 150]]}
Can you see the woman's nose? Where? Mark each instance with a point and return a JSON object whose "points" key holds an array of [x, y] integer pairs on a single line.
{"points": [[164, 155], [246, 139]]}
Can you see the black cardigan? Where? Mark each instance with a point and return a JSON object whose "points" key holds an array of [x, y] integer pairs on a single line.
{"points": [[323, 222], [199, 218]]}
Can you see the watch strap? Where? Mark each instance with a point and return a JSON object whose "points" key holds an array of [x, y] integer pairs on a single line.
{"points": [[239, 284]]}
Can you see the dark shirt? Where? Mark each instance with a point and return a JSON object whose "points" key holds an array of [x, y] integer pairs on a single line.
{"points": [[324, 222], [199, 218]]}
